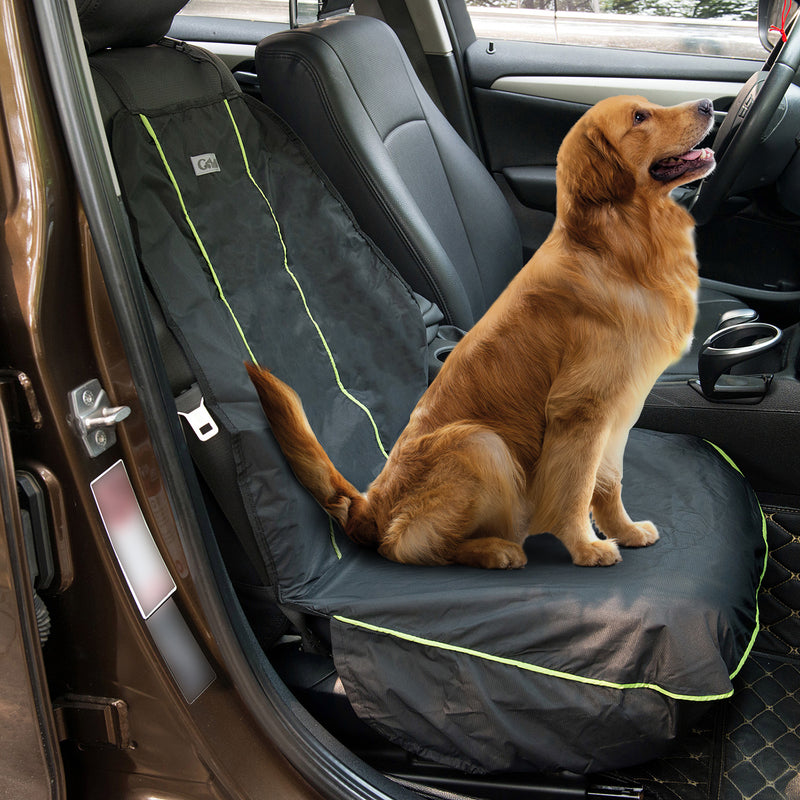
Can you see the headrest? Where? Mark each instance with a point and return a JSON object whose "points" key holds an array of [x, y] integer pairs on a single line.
{"points": [[122, 23]]}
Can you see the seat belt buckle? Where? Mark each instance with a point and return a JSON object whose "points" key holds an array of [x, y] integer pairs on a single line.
{"points": [[192, 407]]}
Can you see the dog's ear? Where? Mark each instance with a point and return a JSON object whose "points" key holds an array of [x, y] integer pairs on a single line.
{"points": [[592, 171]]}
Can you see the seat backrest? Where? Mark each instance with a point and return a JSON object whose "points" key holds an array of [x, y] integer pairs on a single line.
{"points": [[251, 255], [348, 90]]}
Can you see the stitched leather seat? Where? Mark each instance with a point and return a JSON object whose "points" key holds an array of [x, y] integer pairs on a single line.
{"points": [[349, 91]]}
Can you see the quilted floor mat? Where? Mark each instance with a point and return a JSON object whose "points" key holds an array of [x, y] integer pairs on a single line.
{"points": [[747, 749], [779, 603]]}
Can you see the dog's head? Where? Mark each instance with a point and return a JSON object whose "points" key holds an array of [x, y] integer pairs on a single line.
{"points": [[626, 144]]}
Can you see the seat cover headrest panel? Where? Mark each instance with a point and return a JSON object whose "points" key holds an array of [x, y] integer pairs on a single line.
{"points": [[121, 23]]}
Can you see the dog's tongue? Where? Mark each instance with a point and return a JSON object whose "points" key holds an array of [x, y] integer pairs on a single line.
{"points": [[674, 167], [689, 163], [693, 155]]}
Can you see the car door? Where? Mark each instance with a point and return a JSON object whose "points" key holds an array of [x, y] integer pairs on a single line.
{"points": [[30, 762], [526, 94]]}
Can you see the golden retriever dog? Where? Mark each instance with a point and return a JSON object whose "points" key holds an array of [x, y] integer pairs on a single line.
{"points": [[524, 429]]}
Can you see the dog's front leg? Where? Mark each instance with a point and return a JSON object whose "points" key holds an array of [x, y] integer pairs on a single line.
{"points": [[612, 519], [564, 482], [609, 513]]}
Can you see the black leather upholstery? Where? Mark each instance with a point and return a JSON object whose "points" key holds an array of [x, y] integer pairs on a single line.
{"points": [[348, 89]]}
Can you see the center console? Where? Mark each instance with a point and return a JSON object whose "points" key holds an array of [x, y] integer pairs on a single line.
{"points": [[745, 400]]}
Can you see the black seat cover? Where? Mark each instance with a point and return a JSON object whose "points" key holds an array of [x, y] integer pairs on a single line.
{"points": [[251, 254], [348, 90]]}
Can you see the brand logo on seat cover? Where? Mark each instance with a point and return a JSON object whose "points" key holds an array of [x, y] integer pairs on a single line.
{"points": [[205, 163]]}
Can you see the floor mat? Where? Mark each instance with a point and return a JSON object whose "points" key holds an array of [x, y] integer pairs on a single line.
{"points": [[747, 749], [779, 602]]}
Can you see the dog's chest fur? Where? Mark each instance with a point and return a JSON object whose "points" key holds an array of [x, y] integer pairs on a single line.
{"points": [[654, 274]]}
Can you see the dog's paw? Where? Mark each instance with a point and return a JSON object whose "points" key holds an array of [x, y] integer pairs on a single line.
{"points": [[598, 553], [639, 534], [490, 553], [510, 556]]}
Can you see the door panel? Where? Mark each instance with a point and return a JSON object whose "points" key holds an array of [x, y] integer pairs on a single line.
{"points": [[486, 64], [30, 762], [527, 96], [665, 91]]}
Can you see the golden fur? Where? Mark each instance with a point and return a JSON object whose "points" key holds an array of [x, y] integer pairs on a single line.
{"points": [[524, 429]]}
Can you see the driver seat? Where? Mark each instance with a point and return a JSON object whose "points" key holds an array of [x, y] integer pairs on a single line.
{"points": [[347, 88]]}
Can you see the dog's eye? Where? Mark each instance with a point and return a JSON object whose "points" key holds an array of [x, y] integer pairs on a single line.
{"points": [[639, 117]]}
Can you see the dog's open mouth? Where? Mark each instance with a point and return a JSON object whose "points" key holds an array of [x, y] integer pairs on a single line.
{"points": [[673, 167]]}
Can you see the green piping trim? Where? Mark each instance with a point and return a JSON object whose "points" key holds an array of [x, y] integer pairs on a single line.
{"points": [[198, 240], [566, 675], [339, 383], [752, 642], [333, 540], [725, 456], [524, 665]]}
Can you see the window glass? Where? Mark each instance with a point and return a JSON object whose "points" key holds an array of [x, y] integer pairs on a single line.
{"points": [[714, 27], [258, 10]]}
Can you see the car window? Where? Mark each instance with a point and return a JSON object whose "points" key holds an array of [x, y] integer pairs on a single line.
{"points": [[259, 10], [712, 27]]}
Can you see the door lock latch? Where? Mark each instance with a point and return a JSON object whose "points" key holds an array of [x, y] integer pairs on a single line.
{"points": [[93, 418]]}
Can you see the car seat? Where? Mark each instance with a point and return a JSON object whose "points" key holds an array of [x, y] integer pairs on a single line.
{"points": [[347, 88], [250, 254]]}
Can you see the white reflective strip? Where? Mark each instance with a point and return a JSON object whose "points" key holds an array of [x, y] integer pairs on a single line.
{"points": [[180, 650], [589, 90], [139, 558]]}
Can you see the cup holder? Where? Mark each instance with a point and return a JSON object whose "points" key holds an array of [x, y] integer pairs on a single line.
{"points": [[447, 337], [726, 348], [441, 353]]}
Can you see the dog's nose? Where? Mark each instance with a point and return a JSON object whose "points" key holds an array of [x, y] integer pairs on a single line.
{"points": [[705, 107]]}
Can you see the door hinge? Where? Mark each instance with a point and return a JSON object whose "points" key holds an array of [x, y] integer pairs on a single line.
{"points": [[93, 418]]}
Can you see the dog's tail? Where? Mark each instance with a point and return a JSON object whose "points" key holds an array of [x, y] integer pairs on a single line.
{"points": [[309, 461]]}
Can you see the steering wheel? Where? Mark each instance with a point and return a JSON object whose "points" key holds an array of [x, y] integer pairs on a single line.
{"points": [[745, 124]]}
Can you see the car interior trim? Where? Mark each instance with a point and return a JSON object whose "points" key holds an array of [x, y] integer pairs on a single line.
{"points": [[430, 27], [591, 89], [139, 558]]}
